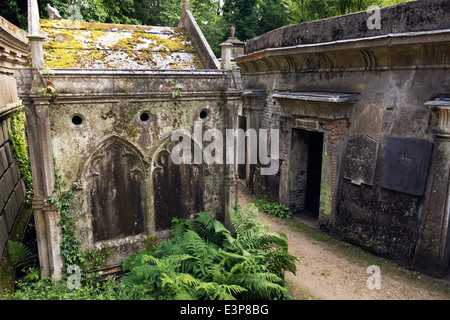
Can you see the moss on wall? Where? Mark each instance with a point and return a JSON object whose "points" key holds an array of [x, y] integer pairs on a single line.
{"points": [[96, 45]]}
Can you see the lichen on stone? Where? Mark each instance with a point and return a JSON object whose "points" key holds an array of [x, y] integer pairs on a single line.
{"points": [[73, 44]]}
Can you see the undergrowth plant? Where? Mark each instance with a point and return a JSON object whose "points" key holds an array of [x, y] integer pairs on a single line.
{"points": [[18, 139], [70, 248], [21, 255], [204, 260], [274, 209]]}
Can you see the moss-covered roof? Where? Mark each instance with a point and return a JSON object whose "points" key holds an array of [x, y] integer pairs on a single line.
{"points": [[73, 44]]}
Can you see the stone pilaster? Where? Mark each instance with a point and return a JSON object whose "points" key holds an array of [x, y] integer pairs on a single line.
{"points": [[41, 156], [226, 56], [36, 39], [433, 249]]}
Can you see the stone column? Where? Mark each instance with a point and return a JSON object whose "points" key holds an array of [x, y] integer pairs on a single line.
{"points": [[232, 99], [36, 40], [41, 156], [226, 56], [433, 249]]}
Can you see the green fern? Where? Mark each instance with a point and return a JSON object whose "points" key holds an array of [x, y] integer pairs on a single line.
{"points": [[203, 260], [21, 255]]}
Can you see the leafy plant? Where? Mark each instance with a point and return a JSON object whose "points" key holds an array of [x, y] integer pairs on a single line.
{"points": [[273, 208], [175, 92], [18, 138], [70, 248], [204, 260], [21, 255]]}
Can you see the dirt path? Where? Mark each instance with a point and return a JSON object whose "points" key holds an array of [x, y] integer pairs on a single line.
{"points": [[333, 270]]}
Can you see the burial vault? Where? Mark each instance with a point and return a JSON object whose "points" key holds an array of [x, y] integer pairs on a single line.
{"points": [[363, 120], [102, 102]]}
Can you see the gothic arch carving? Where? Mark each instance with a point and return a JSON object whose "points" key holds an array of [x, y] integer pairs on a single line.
{"points": [[115, 180], [177, 190]]}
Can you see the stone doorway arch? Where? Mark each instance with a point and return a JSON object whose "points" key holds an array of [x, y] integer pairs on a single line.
{"points": [[322, 112]]}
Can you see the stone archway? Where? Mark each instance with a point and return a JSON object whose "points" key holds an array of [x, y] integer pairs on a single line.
{"points": [[116, 190], [177, 189]]}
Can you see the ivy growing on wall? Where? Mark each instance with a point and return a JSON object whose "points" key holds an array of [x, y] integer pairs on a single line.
{"points": [[70, 248], [18, 139]]}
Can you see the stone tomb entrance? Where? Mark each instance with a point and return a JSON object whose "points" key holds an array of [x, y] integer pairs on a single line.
{"points": [[313, 132]]}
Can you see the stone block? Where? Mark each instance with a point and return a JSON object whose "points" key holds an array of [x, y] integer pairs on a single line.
{"points": [[4, 129], [3, 193], [361, 160], [15, 173], [2, 167], [2, 136], [406, 166], [8, 153], [9, 216], [19, 197], [9, 183], [3, 158], [3, 233]]}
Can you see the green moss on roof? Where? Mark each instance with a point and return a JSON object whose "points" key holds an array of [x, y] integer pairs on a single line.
{"points": [[71, 44]]}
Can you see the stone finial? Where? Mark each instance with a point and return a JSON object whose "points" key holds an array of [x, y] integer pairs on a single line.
{"points": [[53, 14], [232, 31]]}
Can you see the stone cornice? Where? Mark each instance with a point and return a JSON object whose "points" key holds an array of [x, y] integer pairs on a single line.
{"points": [[412, 50]]}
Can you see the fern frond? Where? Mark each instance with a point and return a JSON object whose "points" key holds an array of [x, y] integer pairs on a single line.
{"points": [[21, 255]]}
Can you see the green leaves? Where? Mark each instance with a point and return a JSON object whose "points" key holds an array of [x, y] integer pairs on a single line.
{"points": [[273, 209], [203, 260], [21, 256], [70, 247], [18, 138]]}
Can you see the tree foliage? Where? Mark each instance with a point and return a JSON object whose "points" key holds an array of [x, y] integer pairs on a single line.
{"points": [[251, 17]]}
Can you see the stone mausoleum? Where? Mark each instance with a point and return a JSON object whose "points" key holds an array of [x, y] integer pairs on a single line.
{"points": [[364, 127], [102, 102], [362, 114]]}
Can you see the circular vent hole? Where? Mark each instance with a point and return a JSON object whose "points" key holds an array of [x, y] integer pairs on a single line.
{"points": [[145, 117], [203, 114], [77, 120]]}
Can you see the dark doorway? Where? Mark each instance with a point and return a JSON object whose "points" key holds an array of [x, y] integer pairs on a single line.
{"points": [[314, 178], [305, 172]]}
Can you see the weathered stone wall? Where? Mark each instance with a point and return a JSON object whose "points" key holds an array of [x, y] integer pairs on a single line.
{"points": [[12, 188], [205, 52], [13, 51], [392, 77], [111, 139]]}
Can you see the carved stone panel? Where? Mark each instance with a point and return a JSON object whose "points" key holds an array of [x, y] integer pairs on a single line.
{"points": [[116, 192], [406, 166], [361, 160], [177, 189]]}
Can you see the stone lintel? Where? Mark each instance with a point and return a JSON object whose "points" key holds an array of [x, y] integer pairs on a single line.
{"points": [[326, 105]]}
